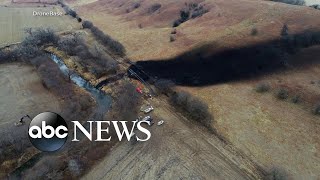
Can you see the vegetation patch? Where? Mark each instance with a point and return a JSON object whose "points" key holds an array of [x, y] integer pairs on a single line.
{"points": [[254, 31], [153, 8], [187, 104], [282, 94], [134, 6], [115, 46], [92, 60], [6, 55], [294, 2], [296, 99], [262, 87], [192, 107], [87, 24], [191, 11], [284, 30], [31, 46], [316, 109], [276, 174], [127, 103], [67, 9], [172, 38]]}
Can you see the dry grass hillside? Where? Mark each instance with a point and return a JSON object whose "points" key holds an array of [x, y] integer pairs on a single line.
{"points": [[275, 133], [146, 32]]}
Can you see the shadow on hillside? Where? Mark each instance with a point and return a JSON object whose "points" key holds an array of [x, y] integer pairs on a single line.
{"points": [[195, 69]]}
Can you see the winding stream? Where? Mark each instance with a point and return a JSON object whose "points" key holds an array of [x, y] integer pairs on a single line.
{"points": [[103, 100]]}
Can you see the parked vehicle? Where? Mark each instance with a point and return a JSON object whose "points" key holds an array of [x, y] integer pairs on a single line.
{"points": [[147, 118], [146, 109], [149, 109], [139, 90], [160, 123]]}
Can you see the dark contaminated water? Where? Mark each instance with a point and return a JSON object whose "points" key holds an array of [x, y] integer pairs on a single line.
{"points": [[103, 100]]}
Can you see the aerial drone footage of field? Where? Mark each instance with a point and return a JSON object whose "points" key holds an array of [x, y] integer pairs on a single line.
{"points": [[233, 84]]}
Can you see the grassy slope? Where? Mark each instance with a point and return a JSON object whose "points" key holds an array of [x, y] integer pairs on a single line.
{"points": [[228, 23], [274, 133]]}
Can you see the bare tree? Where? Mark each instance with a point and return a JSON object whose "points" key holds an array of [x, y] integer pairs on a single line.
{"points": [[87, 24], [192, 107], [127, 103]]}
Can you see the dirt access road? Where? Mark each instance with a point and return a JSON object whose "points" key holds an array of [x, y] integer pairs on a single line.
{"points": [[177, 149]]}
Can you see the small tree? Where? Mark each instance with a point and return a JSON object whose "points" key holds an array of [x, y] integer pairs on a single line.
{"points": [[192, 107], [72, 13], [176, 23], [154, 7], [70, 44], [136, 5], [127, 103], [284, 30], [276, 174], [192, 10], [254, 31], [112, 44], [282, 94], [4, 55], [87, 24], [296, 99], [262, 87], [40, 36], [316, 109], [172, 38], [184, 15]]}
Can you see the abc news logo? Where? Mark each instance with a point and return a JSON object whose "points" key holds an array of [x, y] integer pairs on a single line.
{"points": [[48, 131]]}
